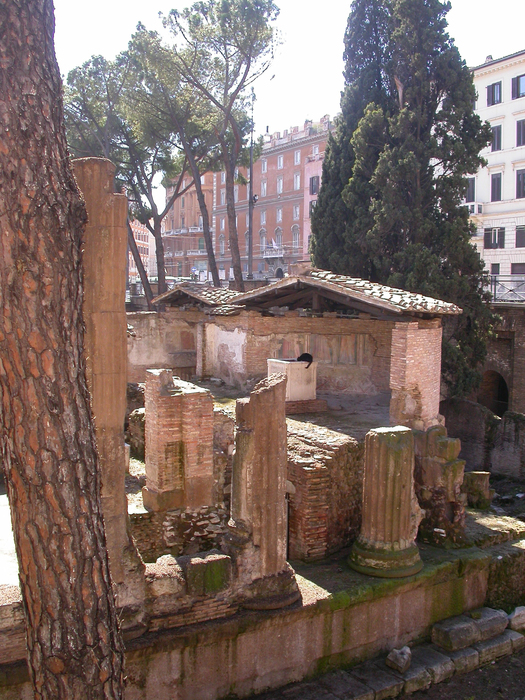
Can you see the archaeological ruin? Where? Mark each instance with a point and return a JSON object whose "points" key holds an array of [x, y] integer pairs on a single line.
{"points": [[285, 518]]}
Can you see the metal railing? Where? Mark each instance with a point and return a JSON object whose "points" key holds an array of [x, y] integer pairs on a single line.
{"points": [[507, 287], [273, 253]]}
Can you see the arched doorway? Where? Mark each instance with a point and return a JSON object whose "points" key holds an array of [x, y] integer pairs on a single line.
{"points": [[494, 392]]}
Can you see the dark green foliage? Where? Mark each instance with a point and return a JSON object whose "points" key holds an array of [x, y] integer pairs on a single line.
{"points": [[394, 176]]}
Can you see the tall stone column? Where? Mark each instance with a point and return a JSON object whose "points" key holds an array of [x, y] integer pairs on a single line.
{"points": [[104, 257], [391, 514], [259, 518]]}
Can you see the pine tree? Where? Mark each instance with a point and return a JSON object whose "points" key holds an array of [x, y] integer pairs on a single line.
{"points": [[401, 221]]}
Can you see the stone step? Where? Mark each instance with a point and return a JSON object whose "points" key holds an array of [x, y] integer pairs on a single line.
{"points": [[465, 630]]}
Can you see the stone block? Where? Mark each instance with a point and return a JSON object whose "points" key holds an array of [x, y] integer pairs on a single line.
{"points": [[517, 619], [383, 683], [494, 648], [399, 659], [489, 622], [477, 488], [456, 633], [343, 685], [206, 575], [439, 666], [517, 639], [416, 678], [465, 660]]}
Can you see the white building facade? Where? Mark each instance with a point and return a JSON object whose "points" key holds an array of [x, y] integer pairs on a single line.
{"points": [[496, 194]]}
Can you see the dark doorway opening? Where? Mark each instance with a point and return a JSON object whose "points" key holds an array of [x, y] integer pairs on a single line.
{"points": [[494, 393]]}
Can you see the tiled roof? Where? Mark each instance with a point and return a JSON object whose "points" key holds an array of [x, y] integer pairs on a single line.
{"points": [[389, 299], [201, 292]]}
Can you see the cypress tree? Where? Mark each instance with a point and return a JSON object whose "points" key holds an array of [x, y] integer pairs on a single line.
{"points": [[396, 173]]}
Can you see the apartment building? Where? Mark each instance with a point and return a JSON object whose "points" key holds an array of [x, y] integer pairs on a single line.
{"points": [[496, 194], [146, 247], [184, 247], [286, 181]]}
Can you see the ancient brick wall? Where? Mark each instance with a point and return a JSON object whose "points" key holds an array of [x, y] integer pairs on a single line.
{"points": [[162, 340], [415, 376], [506, 352], [326, 470], [353, 354], [179, 443]]}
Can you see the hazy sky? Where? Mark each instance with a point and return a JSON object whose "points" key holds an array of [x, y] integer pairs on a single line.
{"points": [[305, 79]]}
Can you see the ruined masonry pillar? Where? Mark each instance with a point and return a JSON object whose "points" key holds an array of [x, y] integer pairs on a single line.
{"points": [[104, 259], [391, 515], [179, 443], [258, 522], [415, 374]]}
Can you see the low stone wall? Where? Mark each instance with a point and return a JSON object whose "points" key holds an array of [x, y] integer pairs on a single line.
{"points": [[326, 471], [252, 651]]}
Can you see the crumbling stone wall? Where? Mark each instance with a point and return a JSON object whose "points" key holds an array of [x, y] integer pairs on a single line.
{"points": [[476, 427], [163, 340], [488, 442], [182, 531], [326, 471]]}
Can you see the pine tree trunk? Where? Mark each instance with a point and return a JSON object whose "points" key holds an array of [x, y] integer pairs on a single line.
{"points": [[47, 438], [232, 226]]}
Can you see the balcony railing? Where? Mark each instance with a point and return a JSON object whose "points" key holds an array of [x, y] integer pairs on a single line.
{"points": [[196, 252], [507, 287], [273, 253]]}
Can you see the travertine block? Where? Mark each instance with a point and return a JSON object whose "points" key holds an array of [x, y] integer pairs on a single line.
{"points": [[383, 683], [465, 660], [493, 649], [456, 633], [489, 622], [439, 666], [517, 619]]}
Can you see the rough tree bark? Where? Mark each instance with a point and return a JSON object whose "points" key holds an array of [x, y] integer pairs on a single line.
{"points": [[46, 433]]}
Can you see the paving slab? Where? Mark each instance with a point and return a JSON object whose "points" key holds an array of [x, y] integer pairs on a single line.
{"points": [[490, 623], [439, 666], [384, 683], [456, 633], [344, 686], [493, 649], [415, 678], [307, 691]]}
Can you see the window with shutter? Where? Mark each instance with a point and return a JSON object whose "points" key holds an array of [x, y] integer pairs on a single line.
{"points": [[520, 236], [496, 138], [493, 94], [314, 184], [501, 238], [518, 87], [520, 132], [471, 190], [520, 184], [495, 187], [517, 269], [487, 238]]}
